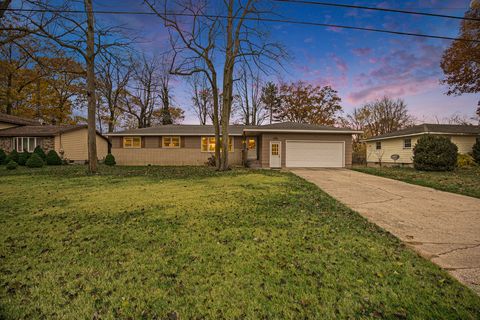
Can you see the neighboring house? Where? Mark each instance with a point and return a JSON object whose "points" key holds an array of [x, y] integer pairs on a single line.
{"points": [[381, 148], [69, 141], [269, 146]]}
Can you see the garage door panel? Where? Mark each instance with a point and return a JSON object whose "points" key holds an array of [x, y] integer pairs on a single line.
{"points": [[313, 154]]}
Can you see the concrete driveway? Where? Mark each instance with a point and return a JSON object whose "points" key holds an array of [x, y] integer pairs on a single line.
{"points": [[442, 226]]}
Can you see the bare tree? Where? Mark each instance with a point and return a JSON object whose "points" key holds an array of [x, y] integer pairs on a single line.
{"points": [[143, 92], [271, 99], [80, 36], [202, 99], [248, 97], [199, 39], [4, 6], [113, 76], [165, 92]]}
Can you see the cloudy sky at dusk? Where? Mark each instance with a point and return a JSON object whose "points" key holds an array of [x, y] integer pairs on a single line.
{"points": [[361, 65]]}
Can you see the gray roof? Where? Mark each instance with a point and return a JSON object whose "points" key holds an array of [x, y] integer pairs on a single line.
{"points": [[38, 131], [235, 130], [425, 128], [8, 118]]}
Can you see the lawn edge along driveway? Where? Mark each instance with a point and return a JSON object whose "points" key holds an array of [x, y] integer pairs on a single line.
{"points": [[443, 227]]}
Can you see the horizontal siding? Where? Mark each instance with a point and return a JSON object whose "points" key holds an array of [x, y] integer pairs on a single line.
{"points": [[395, 146], [152, 154], [75, 146], [267, 137]]}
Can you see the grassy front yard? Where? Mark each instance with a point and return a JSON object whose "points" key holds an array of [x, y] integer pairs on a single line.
{"points": [[150, 242], [462, 181]]}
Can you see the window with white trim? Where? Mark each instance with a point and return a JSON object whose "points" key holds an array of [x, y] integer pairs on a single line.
{"points": [[378, 145], [132, 142], [22, 144], [208, 144], [407, 143], [171, 142]]}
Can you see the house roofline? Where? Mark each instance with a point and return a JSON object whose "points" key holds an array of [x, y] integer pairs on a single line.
{"points": [[303, 131], [119, 134], [419, 134]]}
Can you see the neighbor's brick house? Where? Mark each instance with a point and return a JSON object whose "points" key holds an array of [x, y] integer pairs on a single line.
{"points": [[69, 141]]}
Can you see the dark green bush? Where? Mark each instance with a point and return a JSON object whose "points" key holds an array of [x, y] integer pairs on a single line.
{"points": [[110, 160], [38, 150], [434, 153], [12, 165], [23, 158], [53, 159], [13, 156], [3, 157], [35, 161], [476, 151]]}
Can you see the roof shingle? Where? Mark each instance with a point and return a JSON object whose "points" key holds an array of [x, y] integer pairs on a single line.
{"points": [[38, 131], [17, 120], [431, 128]]}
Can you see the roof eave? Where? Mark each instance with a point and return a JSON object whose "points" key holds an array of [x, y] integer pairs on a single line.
{"points": [[304, 131], [420, 133]]}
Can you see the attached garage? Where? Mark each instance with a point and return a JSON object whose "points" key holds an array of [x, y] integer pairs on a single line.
{"points": [[314, 154]]}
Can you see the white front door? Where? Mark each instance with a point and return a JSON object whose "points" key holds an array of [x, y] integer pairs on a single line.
{"points": [[275, 154]]}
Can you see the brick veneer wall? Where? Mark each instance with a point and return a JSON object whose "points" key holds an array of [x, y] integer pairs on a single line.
{"points": [[47, 143]]}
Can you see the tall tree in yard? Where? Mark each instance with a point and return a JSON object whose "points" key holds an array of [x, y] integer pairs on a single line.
{"points": [[461, 61], [209, 44], [248, 97], [80, 36], [270, 98], [302, 102]]}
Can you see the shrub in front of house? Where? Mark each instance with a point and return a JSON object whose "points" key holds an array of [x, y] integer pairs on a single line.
{"points": [[53, 159], [465, 161], [11, 165], [3, 157], [12, 156], [23, 158], [434, 153], [110, 160], [35, 161], [39, 151], [476, 151]]}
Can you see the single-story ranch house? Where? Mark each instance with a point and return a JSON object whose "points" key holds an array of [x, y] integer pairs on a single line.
{"points": [[276, 145], [380, 149], [69, 141]]}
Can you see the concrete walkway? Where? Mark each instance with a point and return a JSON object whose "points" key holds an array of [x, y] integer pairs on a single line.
{"points": [[442, 226]]}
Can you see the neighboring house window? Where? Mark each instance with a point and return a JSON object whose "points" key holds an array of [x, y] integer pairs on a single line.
{"points": [[251, 144], [378, 145], [208, 144], [407, 143], [171, 142], [21, 144], [132, 142]]}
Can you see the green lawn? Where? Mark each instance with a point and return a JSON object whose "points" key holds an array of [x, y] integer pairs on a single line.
{"points": [[191, 243], [462, 181]]}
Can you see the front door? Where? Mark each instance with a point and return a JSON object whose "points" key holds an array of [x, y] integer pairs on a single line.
{"points": [[275, 154]]}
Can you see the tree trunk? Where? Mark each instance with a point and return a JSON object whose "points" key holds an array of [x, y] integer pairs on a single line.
{"points": [[90, 61], [9, 93]]}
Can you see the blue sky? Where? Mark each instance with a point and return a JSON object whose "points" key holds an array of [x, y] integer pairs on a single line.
{"points": [[361, 65]]}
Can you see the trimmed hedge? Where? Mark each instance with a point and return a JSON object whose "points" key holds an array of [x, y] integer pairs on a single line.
{"points": [[434, 153], [23, 158], [53, 159], [13, 156], [110, 160], [476, 151], [35, 161], [12, 165], [3, 157], [38, 150]]}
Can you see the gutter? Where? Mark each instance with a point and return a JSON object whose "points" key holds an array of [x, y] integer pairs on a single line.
{"points": [[303, 131], [419, 134]]}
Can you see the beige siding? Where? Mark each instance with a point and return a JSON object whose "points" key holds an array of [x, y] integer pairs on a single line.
{"points": [[152, 154], [267, 137], [395, 146], [5, 125], [390, 147], [74, 145], [464, 143]]}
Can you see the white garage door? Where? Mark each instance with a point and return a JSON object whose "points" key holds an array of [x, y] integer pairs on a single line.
{"points": [[314, 154]]}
